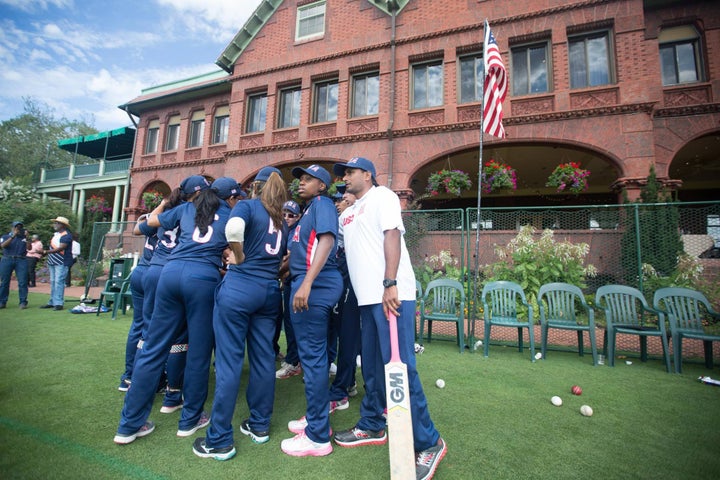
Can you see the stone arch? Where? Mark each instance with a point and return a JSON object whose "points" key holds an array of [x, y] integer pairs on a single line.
{"points": [[694, 168]]}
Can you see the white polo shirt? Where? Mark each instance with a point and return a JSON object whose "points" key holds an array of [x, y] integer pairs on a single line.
{"points": [[362, 227]]}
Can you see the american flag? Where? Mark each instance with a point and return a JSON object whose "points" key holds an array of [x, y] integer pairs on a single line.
{"points": [[495, 87]]}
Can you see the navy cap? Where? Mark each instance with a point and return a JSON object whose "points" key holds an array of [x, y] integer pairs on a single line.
{"points": [[194, 183], [314, 171], [265, 172], [15, 224], [340, 187], [226, 187], [356, 162], [292, 207], [337, 196]]}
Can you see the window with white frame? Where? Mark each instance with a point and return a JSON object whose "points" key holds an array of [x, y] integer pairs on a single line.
{"points": [[589, 58], [221, 125], [366, 94], [289, 110], [151, 143], [471, 78], [325, 101], [427, 84], [530, 69], [680, 57], [257, 113], [310, 21], [197, 129], [173, 133]]}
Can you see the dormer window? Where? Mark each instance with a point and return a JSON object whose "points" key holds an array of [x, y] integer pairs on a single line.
{"points": [[310, 21]]}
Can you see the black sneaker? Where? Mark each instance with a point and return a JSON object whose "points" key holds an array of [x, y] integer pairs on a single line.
{"points": [[356, 437], [57, 307], [47, 305], [428, 460], [255, 435], [202, 450]]}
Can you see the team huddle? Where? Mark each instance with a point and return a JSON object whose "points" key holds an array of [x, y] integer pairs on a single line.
{"points": [[221, 271]]}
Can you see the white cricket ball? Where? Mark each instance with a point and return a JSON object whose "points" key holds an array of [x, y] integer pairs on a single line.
{"points": [[586, 410], [478, 344], [538, 356], [440, 383], [557, 401]]}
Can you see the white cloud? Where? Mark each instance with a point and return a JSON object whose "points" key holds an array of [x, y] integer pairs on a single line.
{"points": [[209, 16]]}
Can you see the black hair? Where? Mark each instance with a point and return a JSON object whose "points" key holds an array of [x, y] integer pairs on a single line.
{"points": [[206, 204]]}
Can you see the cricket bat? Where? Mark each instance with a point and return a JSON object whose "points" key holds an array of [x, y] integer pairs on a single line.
{"points": [[399, 415]]}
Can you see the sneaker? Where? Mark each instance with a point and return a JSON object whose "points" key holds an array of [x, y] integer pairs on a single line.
{"points": [[287, 370], [23, 306], [356, 437], [297, 426], [255, 435], [352, 391], [46, 306], [124, 439], [202, 450], [202, 423], [333, 369], [342, 404], [170, 408], [302, 446], [427, 461], [124, 385]]}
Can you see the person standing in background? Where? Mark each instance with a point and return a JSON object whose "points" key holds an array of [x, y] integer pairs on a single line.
{"points": [[75, 254], [14, 245], [58, 261], [34, 254]]}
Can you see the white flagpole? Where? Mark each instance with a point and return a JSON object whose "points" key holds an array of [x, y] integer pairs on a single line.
{"points": [[476, 263]]}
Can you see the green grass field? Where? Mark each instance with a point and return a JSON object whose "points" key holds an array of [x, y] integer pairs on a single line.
{"points": [[59, 409]]}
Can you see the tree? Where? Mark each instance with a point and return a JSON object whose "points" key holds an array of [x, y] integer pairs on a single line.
{"points": [[30, 140]]}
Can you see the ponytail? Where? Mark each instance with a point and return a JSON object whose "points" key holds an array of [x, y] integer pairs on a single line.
{"points": [[206, 204], [273, 195]]}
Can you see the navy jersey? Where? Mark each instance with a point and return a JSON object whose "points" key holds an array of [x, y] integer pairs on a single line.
{"points": [[151, 240], [319, 217], [264, 246], [167, 240], [192, 245]]}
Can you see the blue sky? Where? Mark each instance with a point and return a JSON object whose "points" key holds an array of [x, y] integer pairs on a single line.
{"points": [[83, 58]]}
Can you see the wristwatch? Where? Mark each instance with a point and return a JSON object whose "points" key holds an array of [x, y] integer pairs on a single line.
{"points": [[387, 283]]}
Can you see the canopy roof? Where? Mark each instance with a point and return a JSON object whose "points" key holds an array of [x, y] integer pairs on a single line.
{"points": [[112, 144]]}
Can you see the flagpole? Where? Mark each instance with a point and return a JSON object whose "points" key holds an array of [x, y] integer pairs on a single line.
{"points": [[476, 265]]}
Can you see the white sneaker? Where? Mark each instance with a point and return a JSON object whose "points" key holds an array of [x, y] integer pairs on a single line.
{"points": [[298, 426], [202, 423], [287, 370], [333, 369], [302, 446]]}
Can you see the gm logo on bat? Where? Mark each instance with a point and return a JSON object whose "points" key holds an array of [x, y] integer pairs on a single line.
{"points": [[397, 388]]}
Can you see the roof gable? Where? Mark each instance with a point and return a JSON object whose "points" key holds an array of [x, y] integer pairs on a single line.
{"points": [[259, 18]]}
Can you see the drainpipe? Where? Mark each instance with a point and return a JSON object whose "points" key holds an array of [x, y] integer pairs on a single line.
{"points": [[126, 192], [393, 7]]}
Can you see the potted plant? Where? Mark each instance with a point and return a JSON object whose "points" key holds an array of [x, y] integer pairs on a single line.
{"points": [[569, 177], [97, 205], [497, 176], [448, 181], [150, 200]]}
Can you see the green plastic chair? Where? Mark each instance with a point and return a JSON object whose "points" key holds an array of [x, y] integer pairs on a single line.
{"points": [[687, 310], [445, 300], [559, 304], [500, 301], [116, 286], [627, 311]]}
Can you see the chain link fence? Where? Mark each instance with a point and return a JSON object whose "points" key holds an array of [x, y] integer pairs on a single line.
{"points": [[646, 246]]}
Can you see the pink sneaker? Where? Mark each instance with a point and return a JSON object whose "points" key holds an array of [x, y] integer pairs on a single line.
{"points": [[343, 404], [302, 446], [298, 426]]}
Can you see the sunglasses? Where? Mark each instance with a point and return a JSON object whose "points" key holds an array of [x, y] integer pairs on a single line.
{"points": [[290, 215]]}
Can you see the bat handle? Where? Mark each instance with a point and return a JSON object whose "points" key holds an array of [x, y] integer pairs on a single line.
{"points": [[394, 348]]}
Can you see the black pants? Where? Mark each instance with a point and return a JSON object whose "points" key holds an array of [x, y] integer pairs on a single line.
{"points": [[69, 275], [32, 264]]}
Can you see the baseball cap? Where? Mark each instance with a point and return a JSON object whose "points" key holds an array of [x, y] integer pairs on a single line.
{"points": [[292, 207], [355, 162], [265, 172], [337, 196], [226, 187], [15, 224], [340, 187], [194, 183], [314, 171]]}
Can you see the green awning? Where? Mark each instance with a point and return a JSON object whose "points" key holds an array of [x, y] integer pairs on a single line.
{"points": [[119, 143]]}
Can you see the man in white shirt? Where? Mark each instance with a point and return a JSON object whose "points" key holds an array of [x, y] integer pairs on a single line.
{"points": [[384, 282], [75, 254]]}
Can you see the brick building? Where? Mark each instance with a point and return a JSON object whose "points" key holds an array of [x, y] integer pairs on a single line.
{"points": [[616, 85]]}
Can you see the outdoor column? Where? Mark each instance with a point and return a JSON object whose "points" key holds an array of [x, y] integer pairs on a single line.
{"points": [[80, 209], [116, 208]]}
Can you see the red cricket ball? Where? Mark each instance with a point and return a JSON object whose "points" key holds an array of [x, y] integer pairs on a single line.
{"points": [[576, 390]]}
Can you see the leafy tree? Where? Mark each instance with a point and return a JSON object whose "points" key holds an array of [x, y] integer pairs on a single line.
{"points": [[659, 232], [30, 140], [35, 215]]}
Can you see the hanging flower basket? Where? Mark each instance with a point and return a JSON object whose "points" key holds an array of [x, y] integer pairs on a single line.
{"points": [[150, 200], [97, 204], [448, 181], [569, 177], [496, 176]]}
